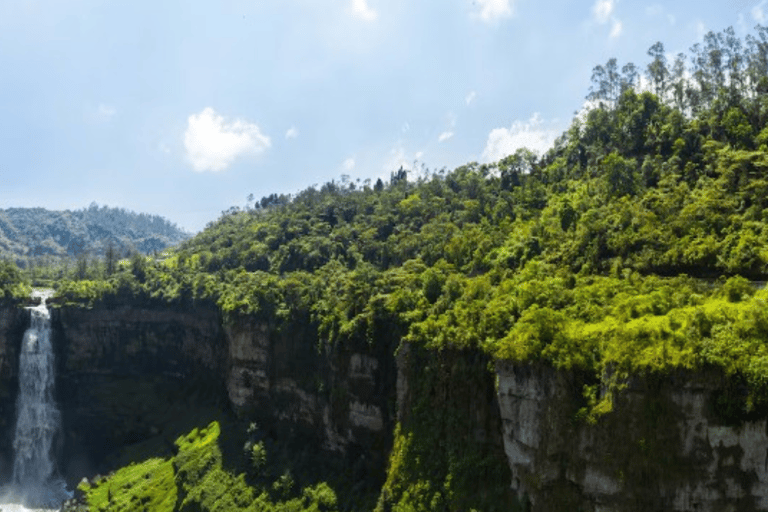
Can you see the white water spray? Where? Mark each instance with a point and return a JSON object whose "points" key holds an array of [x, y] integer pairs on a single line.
{"points": [[38, 424]]}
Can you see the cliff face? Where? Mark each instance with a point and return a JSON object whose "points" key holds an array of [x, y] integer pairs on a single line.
{"points": [[13, 323], [665, 445], [290, 382], [129, 375]]}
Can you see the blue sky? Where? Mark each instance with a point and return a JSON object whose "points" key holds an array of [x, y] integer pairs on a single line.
{"points": [[183, 108]]}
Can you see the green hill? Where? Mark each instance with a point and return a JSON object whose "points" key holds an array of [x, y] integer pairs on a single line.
{"points": [[36, 234]]}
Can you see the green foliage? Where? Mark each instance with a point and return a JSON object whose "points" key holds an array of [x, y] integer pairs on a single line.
{"points": [[258, 456], [45, 241], [148, 485], [439, 461], [13, 286], [195, 479]]}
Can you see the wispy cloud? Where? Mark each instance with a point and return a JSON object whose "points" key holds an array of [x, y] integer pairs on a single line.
{"points": [[106, 111], [349, 164], [444, 136], [292, 133], [616, 28], [603, 12], [534, 134], [362, 11], [701, 29], [397, 159], [658, 10], [470, 97], [212, 143], [492, 10], [758, 12]]}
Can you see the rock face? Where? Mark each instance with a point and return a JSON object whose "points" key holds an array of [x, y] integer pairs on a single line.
{"points": [[13, 322], [125, 374], [664, 446], [291, 382]]}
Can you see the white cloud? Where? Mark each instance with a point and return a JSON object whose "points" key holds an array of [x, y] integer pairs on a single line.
{"points": [[602, 13], [406, 127], [657, 11], [418, 155], [397, 159], [491, 10], [444, 136], [361, 10], [758, 14], [654, 10], [602, 10], [616, 28], [349, 164], [292, 133], [701, 29], [106, 111], [470, 97], [213, 143], [533, 134]]}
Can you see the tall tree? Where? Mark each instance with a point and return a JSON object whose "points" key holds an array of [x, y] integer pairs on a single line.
{"points": [[81, 270], [678, 83], [629, 79], [110, 259], [700, 94], [757, 57], [735, 65], [713, 48], [606, 83], [657, 71]]}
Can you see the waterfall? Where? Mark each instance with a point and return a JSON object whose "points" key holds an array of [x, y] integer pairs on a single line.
{"points": [[38, 423]]}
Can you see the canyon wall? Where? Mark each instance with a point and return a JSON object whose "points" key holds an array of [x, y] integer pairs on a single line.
{"points": [[668, 444], [341, 397], [131, 376], [13, 322]]}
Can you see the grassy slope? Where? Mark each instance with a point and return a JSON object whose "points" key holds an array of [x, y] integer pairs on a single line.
{"points": [[195, 479]]}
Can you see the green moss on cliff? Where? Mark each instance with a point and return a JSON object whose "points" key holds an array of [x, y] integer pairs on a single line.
{"points": [[446, 453], [149, 485], [196, 479]]}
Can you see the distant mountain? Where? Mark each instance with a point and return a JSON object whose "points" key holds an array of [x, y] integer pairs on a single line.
{"points": [[27, 233]]}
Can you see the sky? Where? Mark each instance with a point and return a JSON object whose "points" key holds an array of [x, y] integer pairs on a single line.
{"points": [[184, 108]]}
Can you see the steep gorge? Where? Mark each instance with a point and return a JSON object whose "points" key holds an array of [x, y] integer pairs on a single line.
{"points": [[132, 377]]}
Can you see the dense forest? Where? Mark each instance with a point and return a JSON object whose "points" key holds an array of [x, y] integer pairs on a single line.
{"points": [[637, 244], [43, 239]]}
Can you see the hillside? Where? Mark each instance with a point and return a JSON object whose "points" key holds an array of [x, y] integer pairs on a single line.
{"points": [[628, 250], [37, 234]]}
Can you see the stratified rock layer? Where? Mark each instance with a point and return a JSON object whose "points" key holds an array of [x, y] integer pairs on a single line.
{"points": [[127, 374], [663, 447]]}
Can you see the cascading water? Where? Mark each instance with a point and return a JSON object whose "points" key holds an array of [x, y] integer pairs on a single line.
{"points": [[35, 481]]}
